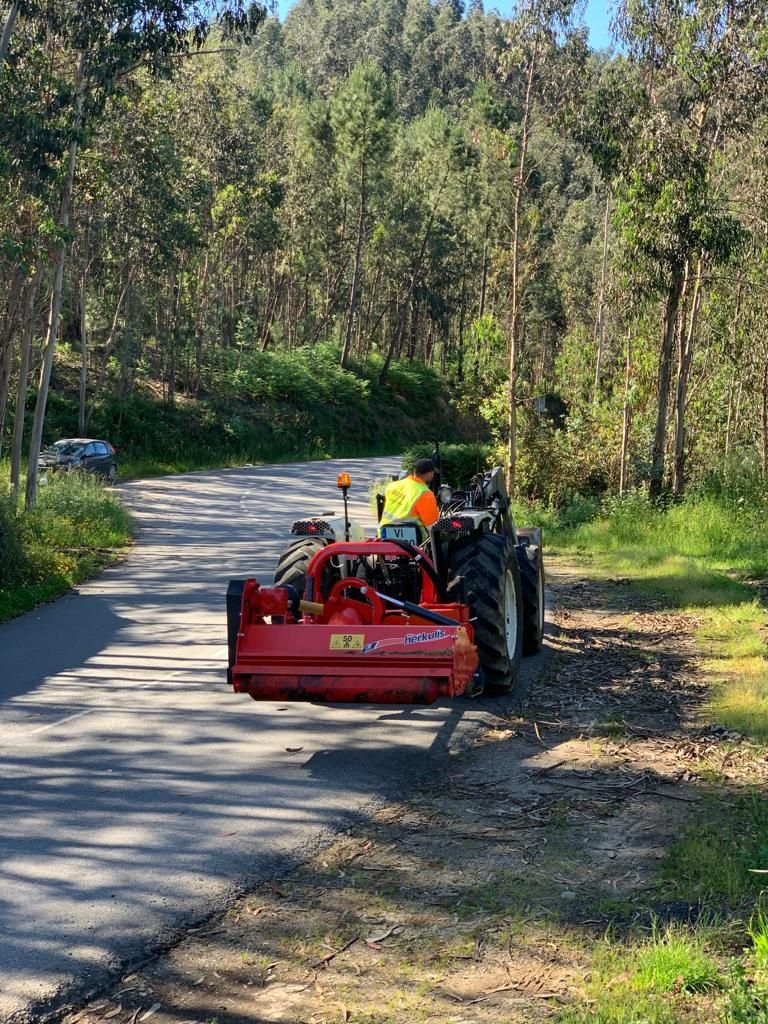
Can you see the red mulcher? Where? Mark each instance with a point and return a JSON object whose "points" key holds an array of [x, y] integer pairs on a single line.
{"points": [[357, 645]]}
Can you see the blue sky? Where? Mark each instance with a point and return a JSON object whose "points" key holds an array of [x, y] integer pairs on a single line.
{"points": [[597, 17]]}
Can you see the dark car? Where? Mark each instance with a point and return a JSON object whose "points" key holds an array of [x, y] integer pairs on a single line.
{"points": [[84, 453]]}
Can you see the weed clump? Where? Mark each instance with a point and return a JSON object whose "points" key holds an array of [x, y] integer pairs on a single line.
{"points": [[76, 527]]}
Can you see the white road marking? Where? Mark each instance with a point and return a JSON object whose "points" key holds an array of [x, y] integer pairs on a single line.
{"points": [[61, 721]]}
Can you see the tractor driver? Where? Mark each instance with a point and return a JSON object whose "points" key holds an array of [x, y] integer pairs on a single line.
{"points": [[410, 500]]}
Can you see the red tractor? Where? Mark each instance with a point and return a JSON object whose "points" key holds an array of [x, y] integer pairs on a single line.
{"points": [[398, 618]]}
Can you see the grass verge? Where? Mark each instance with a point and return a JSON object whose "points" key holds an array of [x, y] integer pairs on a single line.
{"points": [[77, 528], [707, 557]]}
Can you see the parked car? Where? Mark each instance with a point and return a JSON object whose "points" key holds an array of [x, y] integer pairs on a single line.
{"points": [[86, 453]]}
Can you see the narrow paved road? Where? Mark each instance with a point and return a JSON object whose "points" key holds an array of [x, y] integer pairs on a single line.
{"points": [[137, 793]]}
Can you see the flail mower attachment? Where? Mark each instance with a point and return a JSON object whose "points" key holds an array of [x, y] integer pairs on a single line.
{"points": [[353, 645]]}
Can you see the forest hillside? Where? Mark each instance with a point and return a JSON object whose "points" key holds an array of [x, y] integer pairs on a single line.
{"points": [[219, 231]]}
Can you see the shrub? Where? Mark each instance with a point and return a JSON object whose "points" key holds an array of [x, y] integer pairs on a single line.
{"points": [[76, 510], [14, 563], [460, 462], [72, 531]]}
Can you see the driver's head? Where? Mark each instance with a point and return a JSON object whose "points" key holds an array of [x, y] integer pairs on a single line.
{"points": [[424, 469]]}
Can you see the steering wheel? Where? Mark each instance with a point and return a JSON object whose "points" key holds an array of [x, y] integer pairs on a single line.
{"points": [[371, 609]]}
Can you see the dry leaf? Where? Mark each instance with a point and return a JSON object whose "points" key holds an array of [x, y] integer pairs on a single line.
{"points": [[114, 1013], [200, 980], [153, 1009], [384, 935], [256, 910]]}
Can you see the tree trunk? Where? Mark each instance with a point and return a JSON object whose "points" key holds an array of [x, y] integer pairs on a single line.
{"points": [[9, 328], [627, 423], [21, 393], [83, 353], [462, 315], [356, 269], [396, 341], [5, 39], [600, 321], [664, 377], [56, 293], [484, 275], [514, 326], [100, 377], [6, 361], [764, 421], [729, 420], [683, 376]]}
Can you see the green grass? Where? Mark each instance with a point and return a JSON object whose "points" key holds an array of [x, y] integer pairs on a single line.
{"points": [[676, 960], [715, 533], [705, 557], [716, 860], [644, 979], [77, 527], [695, 557]]}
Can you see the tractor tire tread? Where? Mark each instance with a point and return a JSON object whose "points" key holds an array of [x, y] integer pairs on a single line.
{"points": [[292, 564], [482, 562], [532, 584]]}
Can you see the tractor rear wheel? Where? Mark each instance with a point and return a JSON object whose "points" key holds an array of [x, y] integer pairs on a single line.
{"points": [[531, 564], [293, 562], [487, 568]]}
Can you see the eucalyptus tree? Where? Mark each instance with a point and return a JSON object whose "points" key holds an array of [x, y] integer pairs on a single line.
{"points": [[103, 42], [362, 118], [703, 85], [541, 58]]}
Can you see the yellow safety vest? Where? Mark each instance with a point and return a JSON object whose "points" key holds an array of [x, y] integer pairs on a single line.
{"points": [[399, 499]]}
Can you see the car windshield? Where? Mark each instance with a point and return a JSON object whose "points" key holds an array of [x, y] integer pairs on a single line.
{"points": [[64, 448]]}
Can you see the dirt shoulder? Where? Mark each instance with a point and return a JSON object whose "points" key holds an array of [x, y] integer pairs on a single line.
{"points": [[481, 898]]}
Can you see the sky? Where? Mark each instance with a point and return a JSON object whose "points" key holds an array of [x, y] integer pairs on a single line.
{"points": [[597, 16]]}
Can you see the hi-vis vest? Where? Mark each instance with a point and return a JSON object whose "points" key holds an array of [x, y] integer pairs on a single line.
{"points": [[399, 499]]}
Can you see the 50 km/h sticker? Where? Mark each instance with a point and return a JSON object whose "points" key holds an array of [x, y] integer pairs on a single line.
{"points": [[347, 641]]}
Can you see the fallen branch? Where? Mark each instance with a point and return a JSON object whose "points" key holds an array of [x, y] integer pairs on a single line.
{"points": [[549, 768], [324, 961], [673, 796]]}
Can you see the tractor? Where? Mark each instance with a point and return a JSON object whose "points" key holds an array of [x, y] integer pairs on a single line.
{"points": [[407, 617]]}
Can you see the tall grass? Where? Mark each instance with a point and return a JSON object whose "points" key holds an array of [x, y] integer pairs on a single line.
{"points": [[716, 533], [77, 527]]}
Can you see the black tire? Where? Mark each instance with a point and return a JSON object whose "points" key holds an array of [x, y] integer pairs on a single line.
{"points": [[292, 565], [531, 562], [483, 564]]}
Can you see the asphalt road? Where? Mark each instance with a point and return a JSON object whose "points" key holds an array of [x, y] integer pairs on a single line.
{"points": [[137, 793]]}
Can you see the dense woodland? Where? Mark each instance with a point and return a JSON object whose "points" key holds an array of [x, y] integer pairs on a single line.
{"points": [[214, 205]]}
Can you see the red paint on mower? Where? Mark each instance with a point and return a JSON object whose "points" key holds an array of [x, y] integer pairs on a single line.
{"points": [[353, 648]]}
